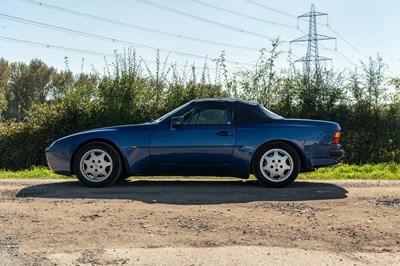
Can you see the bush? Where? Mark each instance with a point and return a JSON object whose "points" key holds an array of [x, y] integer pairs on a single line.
{"points": [[131, 93], [22, 144]]}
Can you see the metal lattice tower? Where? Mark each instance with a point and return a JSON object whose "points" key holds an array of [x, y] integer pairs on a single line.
{"points": [[311, 62]]}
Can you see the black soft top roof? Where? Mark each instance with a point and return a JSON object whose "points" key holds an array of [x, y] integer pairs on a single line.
{"points": [[255, 113], [232, 100], [246, 112]]}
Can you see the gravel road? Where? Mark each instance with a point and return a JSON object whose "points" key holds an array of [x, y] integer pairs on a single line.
{"points": [[170, 222]]}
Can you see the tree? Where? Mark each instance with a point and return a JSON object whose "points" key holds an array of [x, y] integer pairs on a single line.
{"points": [[29, 84], [261, 83], [374, 80], [5, 74]]}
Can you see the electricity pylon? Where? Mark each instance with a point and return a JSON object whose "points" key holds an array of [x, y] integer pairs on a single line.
{"points": [[311, 62]]}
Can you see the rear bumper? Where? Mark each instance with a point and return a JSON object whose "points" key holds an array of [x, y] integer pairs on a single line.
{"points": [[322, 162], [336, 153], [334, 158]]}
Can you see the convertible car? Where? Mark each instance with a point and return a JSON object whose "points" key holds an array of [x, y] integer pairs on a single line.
{"points": [[207, 137]]}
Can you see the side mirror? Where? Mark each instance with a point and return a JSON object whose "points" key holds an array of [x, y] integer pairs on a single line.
{"points": [[176, 122]]}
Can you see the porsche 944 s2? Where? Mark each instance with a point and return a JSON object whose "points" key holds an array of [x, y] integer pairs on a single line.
{"points": [[207, 137]]}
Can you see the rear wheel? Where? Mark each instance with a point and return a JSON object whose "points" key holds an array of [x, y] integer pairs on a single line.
{"points": [[97, 164], [276, 164]]}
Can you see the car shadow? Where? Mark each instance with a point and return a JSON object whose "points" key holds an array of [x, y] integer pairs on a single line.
{"points": [[187, 192]]}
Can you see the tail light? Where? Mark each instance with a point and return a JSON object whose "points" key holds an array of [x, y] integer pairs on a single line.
{"points": [[336, 138]]}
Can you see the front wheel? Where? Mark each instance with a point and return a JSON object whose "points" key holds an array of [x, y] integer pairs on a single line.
{"points": [[276, 164], [97, 164]]}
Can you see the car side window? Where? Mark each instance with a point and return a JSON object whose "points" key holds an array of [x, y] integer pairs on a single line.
{"points": [[209, 114], [187, 117]]}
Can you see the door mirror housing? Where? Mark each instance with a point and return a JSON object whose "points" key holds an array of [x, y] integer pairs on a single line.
{"points": [[176, 122]]}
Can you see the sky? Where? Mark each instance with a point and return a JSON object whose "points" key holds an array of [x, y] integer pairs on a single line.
{"points": [[362, 28]]}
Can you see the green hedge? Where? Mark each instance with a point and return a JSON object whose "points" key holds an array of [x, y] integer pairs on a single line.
{"points": [[368, 137], [367, 111]]}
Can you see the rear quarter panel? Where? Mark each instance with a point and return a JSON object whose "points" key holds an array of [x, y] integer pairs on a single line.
{"points": [[311, 138]]}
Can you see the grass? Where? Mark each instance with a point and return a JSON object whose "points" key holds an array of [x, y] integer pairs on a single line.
{"points": [[34, 172], [381, 171], [386, 171]]}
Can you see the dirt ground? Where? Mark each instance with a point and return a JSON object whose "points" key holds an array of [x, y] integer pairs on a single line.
{"points": [[60, 222]]}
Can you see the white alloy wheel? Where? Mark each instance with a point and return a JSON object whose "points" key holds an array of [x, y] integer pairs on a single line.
{"points": [[276, 165], [96, 165]]}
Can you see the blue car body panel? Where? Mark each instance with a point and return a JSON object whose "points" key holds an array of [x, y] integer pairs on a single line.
{"points": [[192, 145], [220, 150], [60, 153]]}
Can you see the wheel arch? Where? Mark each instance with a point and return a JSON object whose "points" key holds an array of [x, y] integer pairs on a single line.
{"points": [[303, 163], [124, 169]]}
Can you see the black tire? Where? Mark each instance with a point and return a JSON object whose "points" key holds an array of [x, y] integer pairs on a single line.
{"points": [[276, 164], [123, 176], [97, 164]]}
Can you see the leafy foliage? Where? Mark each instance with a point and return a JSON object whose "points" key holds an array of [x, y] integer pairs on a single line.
{"points": [[40, 104]]}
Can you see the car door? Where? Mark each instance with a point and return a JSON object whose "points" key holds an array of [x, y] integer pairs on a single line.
{"points": [[205, 138]]}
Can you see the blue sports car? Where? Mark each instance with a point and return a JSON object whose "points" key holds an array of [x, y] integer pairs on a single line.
{"points": [[209, 137]]}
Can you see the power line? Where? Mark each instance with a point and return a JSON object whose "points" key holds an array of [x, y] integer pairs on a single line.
{"points": [[212, 22], [327, 25], [336, 53], [311, 62], [270, 8], [56, 47], [73, 12], [352, 46], [103, 38], [296, 56], [242, 15], [79, 51], [277, 11], [86, 15], [120, 23], [345, 58], [340, 55]]}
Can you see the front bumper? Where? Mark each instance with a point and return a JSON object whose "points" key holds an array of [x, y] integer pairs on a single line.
{"points": [[57, 161]]}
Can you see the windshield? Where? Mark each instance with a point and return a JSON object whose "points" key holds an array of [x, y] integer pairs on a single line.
{"points": [[158, 120]]}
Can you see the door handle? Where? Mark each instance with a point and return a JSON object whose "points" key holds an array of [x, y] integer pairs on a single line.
{"points": [[224, 133]]}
